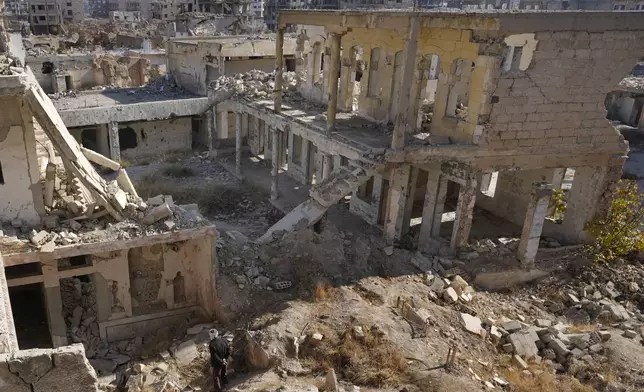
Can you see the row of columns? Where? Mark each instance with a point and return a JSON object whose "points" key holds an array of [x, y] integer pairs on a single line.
{"points": [[401, 198]]}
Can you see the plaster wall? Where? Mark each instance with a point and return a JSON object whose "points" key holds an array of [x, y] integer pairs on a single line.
{"points": [[159, 137]]}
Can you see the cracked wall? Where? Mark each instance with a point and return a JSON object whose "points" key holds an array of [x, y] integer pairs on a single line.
{"points": [[154, 138]]}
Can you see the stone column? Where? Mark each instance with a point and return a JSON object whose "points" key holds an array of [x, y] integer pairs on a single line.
{"points": [[411, 195], [433, 207], [533, 223], [8, 339], [223, 125], [211, 129], [334, 74], [279, 65], [327, 166], [54, 305], [275, 164], [115, 144], [102, 140], [403, 121], [238, 143], [464, 211], [398, 191]]}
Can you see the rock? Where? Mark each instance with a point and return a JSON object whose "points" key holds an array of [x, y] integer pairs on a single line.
{"points": [[358, 333], [77, 314], [468, 256], [450, 295], [633, 287], [524, 344], [196, 329], [471, 324], [618, 312], [543, 323], [262, 281], [316, 338], [500, 382], [389, 250], [629, 333], [573, 298], [140, 368], [240, 279], [30, 365], [495, 334], [156, 214], [161, 367], [331, 382], [437, 285], [512, 326], [186, 352], [520, 362], [104, 366], [48, 247], [169, 224], [252, 272], [458, 284], [156, 200]]}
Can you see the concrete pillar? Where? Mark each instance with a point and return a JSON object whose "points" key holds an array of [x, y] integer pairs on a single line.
{"points": [[8, 339], [306, 160], [411, 195], [533, 223], [403, 121], [464, 211], [398, 190], [211, 129], [319, 166], [115, 144], [54, 305], [238, 143], [589, 197], [334, 74], [433, 207], [345, 100], [102, 140], [274, 164], [222, 128], [279, 67], [327, 166]]}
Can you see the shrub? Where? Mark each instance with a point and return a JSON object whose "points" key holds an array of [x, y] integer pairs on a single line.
{"points": [[559, 204], [620, 234]]}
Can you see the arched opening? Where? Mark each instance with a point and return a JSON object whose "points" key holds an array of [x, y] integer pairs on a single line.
{"points": [[127, 138]]}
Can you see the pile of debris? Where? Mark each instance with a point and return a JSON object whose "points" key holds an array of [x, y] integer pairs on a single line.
{"points": [[256, 85], [635, 81]]}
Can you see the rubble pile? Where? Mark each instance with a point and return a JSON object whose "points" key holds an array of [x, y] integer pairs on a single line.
{"points": [[158, 215], [635, 80], [79, 310], [256, 85]]}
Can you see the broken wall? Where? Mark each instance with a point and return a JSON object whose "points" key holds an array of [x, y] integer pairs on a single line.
{"points": [[187, 64], [20, 189], [533, 111], [154, 138], [63, 369]]}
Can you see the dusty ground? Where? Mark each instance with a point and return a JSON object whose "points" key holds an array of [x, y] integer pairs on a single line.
{"points": [[343, 278]]}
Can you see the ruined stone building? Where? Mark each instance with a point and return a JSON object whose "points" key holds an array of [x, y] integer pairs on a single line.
{"points": [[626, 103], [46, 16], [432, 121], [83, 259]]}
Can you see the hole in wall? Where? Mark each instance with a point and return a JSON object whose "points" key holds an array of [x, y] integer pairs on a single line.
{"points": [[32, 327], [47, 67], [127, 138]]}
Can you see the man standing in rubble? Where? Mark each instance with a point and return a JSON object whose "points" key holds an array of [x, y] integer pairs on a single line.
{"points": [[219, 355]]}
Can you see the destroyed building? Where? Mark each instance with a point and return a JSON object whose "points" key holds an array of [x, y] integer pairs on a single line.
{"points": [[432, 121], [625, 104], [84, 259], [197, 61]]}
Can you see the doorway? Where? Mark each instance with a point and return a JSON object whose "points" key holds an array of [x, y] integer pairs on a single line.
{"points": [[30, 316]]}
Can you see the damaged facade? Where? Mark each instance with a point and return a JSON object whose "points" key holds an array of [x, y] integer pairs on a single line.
{"points": [[436, 120], [84, 258]]}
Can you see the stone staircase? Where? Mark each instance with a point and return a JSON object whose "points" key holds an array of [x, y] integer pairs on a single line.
{"points": [[342, 181]]}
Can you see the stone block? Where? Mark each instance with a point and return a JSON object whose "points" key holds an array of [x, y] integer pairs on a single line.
{"points": [[71, 373], [524, 344], [10, 382], [471, 324], [512, 326], [520, 362], [559, 347], [30, 365], [450, 295], [629, 333], [156, 214], [543, 323], [186, 352]]}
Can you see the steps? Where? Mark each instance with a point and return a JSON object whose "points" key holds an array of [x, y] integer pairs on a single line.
{"points": [[342, 181]]}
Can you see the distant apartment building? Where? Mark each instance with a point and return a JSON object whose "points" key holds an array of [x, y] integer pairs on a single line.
{"points": [[125, 16], [18, 8], [624, 5], [72, 10], [45, 16]]}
